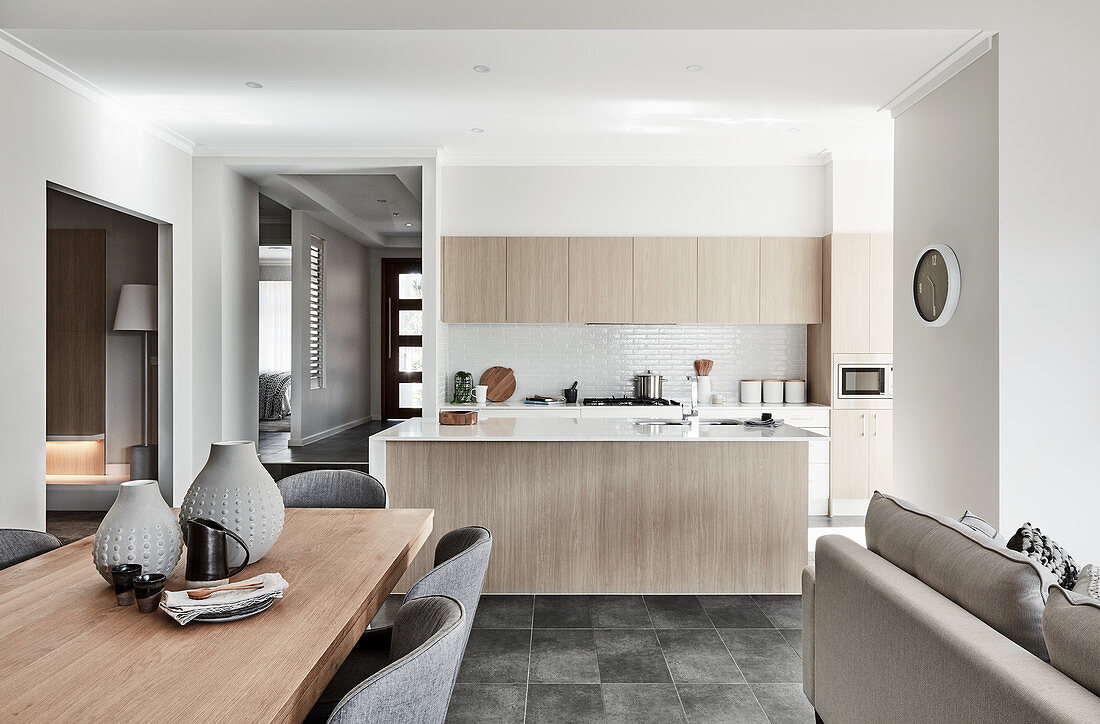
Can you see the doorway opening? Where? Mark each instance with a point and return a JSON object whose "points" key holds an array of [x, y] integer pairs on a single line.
{"points": [[402, 338], [274, 334]]}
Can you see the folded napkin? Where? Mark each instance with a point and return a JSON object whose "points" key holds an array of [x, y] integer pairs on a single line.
{"points": [[185, 609], [774, 422]]}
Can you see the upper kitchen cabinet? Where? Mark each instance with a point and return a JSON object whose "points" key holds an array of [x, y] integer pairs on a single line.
{"points": [[729, 279], [790, 280], [881, 335], [597, 290], [666, 283], [861, 284], [475, 287], [538, 279]]}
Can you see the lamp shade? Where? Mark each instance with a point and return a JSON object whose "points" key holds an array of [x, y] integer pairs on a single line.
{"points": [[137, 308]]}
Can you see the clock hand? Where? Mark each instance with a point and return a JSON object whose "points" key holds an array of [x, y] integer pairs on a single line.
{"points": [[933, 293]]}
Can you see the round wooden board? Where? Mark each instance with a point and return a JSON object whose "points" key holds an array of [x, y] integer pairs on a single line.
{"points": [[501, 383], [457, 417]]}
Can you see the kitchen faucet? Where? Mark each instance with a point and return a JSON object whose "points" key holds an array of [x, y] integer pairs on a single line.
{"points": [[692, 417]]}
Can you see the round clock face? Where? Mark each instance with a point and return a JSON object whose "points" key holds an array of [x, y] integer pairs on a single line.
{"points": [[936, 284]]}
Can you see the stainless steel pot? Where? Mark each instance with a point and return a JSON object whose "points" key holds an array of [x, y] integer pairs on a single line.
{"points": [[648, 386]]}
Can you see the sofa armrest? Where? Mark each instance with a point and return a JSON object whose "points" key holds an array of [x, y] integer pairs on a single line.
{"points": [[809, 582]]}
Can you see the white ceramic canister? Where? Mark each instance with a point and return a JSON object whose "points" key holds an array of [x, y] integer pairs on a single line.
{"points": [[750, 392], [795, 392], [773, 392], [704, 389]]}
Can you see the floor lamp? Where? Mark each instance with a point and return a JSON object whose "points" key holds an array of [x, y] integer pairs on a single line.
{"points": [[137, 312]]}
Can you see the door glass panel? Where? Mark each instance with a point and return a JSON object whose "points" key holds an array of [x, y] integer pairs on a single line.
{"points": [[410, 321], [410, 395], [410, 359], [410, 286]]}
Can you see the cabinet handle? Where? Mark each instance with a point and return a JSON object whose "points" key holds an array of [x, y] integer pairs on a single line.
{"points": [[389, 328], [876, 424], [863, 425]]}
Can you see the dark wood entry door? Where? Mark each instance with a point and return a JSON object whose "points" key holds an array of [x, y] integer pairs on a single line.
{"points": [[402, 338]]}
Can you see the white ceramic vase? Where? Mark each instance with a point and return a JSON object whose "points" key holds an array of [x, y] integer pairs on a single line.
{"points": [[139, 528], [234, 489]]}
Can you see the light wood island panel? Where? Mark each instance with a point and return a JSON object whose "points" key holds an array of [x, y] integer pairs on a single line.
{"points": [[616, 517]]}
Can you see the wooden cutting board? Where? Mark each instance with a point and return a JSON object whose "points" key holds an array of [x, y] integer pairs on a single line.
{"points": [[501, 383]]}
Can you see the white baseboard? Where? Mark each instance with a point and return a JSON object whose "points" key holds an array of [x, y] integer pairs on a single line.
{"points": [[328, 433]]}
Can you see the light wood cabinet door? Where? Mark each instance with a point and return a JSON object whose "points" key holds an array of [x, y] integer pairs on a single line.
{"points": [[849, 454], [790, 280], [882, 451], [882, 294], [601, 283], [850, 286], [475, 279], [538, 279], [666, 285], [729, 279]]}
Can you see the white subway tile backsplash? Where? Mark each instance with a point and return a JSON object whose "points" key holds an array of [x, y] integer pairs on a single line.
{"points": [[604, 358]]}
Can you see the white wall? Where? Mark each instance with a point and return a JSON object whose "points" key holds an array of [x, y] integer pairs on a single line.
{"points": [[946, 409], [860, 196], [345, 398], [634, 200], [49, 133]]}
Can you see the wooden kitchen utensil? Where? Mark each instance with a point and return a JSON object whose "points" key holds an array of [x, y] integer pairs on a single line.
{"points": [[708, 365], [200, 593], [457, 417], [501, 383]]}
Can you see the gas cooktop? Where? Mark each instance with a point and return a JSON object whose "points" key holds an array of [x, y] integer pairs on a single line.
{"points": [[626, 401]]}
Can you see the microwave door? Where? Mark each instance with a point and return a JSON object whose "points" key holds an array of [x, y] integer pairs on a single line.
{"points": [[862, 382]]}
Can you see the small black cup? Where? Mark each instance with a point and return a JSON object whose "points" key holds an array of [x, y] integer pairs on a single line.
{"points": [[123, 577], [570, 394], [148, 589]]}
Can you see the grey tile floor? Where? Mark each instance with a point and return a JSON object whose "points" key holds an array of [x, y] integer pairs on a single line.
{"points": [[633, 659]]}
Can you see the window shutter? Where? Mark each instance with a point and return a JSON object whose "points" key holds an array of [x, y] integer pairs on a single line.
{"points": [[316, 313]]}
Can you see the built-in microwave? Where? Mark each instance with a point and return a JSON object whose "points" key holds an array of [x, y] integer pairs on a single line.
{"points": [[863, 376]]}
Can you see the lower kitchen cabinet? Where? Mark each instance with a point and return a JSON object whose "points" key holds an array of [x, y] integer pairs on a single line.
{"points": [[861, 453]]}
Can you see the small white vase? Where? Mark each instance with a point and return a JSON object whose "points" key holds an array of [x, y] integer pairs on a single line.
{"points": [[234, 489], [139, 528]]}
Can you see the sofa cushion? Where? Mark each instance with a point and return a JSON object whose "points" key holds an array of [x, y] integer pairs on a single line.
{"points": [[1071, 627], [1030, 541], [1003, 588], [982, 526], [1088, 582]]}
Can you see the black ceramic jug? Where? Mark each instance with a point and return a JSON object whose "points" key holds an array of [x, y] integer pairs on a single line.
{"points": [[207, 562]]}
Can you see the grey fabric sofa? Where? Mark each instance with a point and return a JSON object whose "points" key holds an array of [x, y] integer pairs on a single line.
{"points": [[883, 645]]}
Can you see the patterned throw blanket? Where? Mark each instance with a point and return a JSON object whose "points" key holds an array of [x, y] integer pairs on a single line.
{"points": [[274, 400]]}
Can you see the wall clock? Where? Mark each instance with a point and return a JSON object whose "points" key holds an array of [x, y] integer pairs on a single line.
{"points": [[936, 284]]}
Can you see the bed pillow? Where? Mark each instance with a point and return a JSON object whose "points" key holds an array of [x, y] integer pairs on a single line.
{"points": [[1088, 582], [982, 526], [1030, 541]]}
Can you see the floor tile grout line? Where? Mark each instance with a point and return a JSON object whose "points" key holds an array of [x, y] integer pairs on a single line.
{"points": [[757, 700], [671, 678], [723, 640], [530, 656]]}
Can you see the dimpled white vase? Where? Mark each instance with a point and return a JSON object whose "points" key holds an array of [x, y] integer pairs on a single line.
{"points": [[139, 528], [234, 489]]}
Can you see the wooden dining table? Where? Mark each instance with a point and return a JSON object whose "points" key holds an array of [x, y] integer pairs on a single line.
{"points": [[69, 653]]}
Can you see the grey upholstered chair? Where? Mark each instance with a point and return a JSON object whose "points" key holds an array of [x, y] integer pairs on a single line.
{"points": [[461, 561], [426, 649], [332, 489], [17, 545]]}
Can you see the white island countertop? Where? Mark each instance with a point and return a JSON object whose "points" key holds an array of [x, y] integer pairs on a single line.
{"points": [[567, 429]]}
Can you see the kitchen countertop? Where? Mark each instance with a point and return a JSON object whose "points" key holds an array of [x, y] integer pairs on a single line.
{"points": [[566, 429], [521, 405]]}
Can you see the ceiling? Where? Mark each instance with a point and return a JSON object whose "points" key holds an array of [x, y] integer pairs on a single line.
{"points": [[550, 96]]}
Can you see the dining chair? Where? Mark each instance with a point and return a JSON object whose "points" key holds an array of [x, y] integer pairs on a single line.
{"points": [[461, 561], [425, 650], [332, 489], [17, 545]]}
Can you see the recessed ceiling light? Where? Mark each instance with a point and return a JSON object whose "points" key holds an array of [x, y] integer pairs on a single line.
{"points": [[694, 68], [408, 224], [381, 201], [482, 69], [396, 214], [635, 130], [254, 84], [794, 129], [477, 130]]}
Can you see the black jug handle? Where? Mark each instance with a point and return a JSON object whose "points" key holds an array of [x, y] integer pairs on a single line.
{"points": [[236, 537]]}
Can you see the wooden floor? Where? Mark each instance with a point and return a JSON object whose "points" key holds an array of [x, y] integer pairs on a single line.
{"points": [[346, 450]]}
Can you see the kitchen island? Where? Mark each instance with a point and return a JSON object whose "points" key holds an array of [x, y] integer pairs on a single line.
{"points": [[609, 506]]}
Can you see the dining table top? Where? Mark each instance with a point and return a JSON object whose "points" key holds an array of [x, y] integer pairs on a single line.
{"points": [[69, 652]]}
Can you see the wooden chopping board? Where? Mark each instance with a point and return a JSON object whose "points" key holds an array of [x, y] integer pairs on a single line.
{"points": [[501, 383]]}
